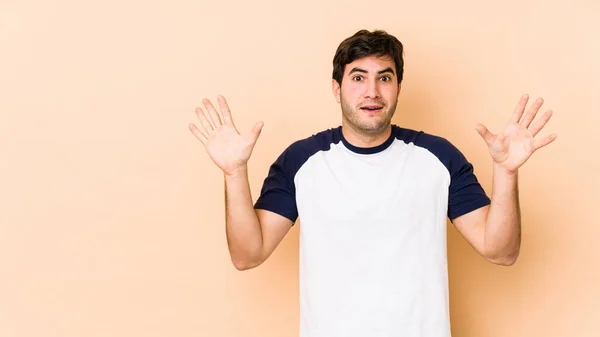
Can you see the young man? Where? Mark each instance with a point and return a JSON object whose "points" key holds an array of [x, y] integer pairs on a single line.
{"points": [[373, 199]]}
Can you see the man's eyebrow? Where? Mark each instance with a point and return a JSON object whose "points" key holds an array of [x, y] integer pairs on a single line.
{"points": [[387, 70], [360, 70], [357, 70]]}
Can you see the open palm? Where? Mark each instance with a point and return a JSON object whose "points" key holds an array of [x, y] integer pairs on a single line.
{"points": [[516, 143], [228, 149]]}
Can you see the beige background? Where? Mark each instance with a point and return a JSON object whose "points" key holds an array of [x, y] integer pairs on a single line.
{"points": [[111, 219]]}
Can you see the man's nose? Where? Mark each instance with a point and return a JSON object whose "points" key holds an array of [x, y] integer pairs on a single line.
{"points": [[372, 89]]}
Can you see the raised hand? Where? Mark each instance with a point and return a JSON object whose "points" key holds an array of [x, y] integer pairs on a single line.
{"points": [[516, 143], [228, 149]]}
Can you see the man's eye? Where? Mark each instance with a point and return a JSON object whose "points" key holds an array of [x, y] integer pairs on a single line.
{"points": [[357, 78], [386, 78]]}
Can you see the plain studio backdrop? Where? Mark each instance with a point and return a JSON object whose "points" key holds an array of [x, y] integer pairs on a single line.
{"points": [[112, 214]]}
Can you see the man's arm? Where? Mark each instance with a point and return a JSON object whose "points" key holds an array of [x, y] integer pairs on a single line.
{"points": [[252, 235], [495, 230]]}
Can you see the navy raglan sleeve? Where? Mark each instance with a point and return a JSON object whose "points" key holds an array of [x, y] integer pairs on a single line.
{"points": [[466, 193], [278, 193]]}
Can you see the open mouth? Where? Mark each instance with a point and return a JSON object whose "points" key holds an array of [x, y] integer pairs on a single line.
{"points": [[371, 108]]}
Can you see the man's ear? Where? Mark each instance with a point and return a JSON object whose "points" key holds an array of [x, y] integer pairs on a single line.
{"points": [[335, 87]]}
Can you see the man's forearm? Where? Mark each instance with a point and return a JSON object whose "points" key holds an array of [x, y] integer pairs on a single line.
{"points": [[244, 236], [503, 225]]}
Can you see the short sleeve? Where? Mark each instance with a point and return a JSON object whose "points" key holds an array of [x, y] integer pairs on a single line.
{"points": [[465, 192], [278, 193]]}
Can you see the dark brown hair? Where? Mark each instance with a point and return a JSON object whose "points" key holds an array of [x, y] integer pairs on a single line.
{"points": [[364, 43]]}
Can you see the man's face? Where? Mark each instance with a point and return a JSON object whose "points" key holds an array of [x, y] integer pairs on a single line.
{"points": [[368, 94]]}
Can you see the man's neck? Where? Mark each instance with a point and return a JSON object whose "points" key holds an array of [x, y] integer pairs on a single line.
{"points": [[365, 140]]}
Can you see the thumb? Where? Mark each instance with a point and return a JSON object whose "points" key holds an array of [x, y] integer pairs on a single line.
{"points": [[256, 130], [487, 136]]}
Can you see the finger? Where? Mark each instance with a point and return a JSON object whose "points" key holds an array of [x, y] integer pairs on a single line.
{"points": [[538, 144], [516, 117], [225, 110], [256, 130], [201, 137], [208, 127], [541, 123], [212, 113], [533, 110], [487, 136]]}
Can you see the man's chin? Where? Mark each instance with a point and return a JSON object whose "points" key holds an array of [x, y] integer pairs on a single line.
{"points": [[370, 125], [373, 128]]}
